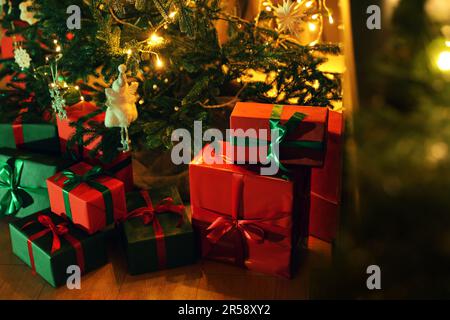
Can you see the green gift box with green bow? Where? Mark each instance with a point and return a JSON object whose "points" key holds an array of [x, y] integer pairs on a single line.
{"points": [[23, 175], [157, 233]]}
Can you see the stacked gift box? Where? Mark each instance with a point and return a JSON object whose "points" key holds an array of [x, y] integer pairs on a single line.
{"points": [[65, 200], [257, 218]]}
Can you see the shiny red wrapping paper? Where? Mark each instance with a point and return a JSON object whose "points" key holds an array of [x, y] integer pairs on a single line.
{"points": [[326, 184], [86, 203], [121, 167], [267, 209]]}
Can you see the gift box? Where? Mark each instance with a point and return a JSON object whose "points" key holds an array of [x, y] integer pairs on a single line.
{"points": [[244, 218], [157, 233], [23, 175], [121, 167], [301, 134], [326, 183], [78, 112], [36, 137], [87, 197], [50, 244]]}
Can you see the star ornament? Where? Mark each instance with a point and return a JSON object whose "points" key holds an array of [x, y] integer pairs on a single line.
{"points": [[289, 16]]}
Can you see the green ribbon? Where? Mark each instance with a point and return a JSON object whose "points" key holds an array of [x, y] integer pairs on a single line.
{"points": [[16, 196], [282, 132], [74, 180]]}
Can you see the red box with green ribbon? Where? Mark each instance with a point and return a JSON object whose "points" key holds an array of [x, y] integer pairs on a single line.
{"points": [[157, 233], [121, 167], [87, 197], [301, 134], [49, 244], [246, 219], [23, 175]]}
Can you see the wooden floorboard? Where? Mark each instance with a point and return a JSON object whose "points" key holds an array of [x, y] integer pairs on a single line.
{"points": [[204, 280]]}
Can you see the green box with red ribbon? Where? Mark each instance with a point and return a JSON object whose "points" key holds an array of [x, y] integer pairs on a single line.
{"points": [[37, 137], [23, 175], [157, 233], [301, 134], [87, 196], [50, 244]]}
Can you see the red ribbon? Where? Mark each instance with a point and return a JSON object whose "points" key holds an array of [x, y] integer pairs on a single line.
{"points": [[148, 215], [247, 229], [57, 231], [18, 131]]}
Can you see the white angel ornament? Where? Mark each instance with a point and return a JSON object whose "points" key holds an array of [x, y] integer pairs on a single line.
{"points": [[121, 101]]}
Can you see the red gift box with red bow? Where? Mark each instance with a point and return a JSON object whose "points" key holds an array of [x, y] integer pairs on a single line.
{"points": [[242, 217]]}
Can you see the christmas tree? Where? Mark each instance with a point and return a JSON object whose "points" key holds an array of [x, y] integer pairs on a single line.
{"points": [[184, 70]]}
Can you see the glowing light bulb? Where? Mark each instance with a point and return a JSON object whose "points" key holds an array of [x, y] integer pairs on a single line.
{"points": [[330, 19], [58, 49], [312, 26], [77, 88], [159, 63], [155, 40], [269, 8], [447, 43], [55, 41], [315, 16], [172, 14], [443, 61], [309, 4], [129, 52], [82, 98]]}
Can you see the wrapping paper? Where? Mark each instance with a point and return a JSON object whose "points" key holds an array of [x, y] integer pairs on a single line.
{"points": [[260, 213], [33, 242], [88, 206], [251, 117], [169, 244], [326, 184], [30, 177]]}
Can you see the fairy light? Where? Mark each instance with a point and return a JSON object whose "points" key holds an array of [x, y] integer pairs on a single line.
{"points": [[82, 98], [309, 4], [312, 26], [172, 14], [77, 88], [330, 19], [159, 63], [155, 40], [268, 8], [443, 61]]}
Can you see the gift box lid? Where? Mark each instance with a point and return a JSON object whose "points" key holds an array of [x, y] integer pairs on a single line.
{"points": [[251, 115], [37, 167]]}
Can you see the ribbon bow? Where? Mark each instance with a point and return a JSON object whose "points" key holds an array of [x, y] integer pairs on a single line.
{"points": [[148, 214], [57, 231], [74, 179], [10, 174], [281, 132]]}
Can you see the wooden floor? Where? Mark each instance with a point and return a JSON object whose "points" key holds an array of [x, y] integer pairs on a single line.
{"points": [[205, 280]]}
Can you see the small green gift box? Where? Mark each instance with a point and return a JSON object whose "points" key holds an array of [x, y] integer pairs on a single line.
{"points": [[23, 175], [53, 247], [37, 137], [157, 233]]}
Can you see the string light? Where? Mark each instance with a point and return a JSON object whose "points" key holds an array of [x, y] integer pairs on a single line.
{"points": [[172, 14], [155, 40], [129, 52], [159, 63], [309, 4], [312, 26], [443, 61]]}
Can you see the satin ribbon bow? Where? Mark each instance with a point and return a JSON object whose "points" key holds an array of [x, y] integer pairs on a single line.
{"points": [[223, 225], [10, 174], [281, 132], [57, 230], [148, 214], [74, 179]]}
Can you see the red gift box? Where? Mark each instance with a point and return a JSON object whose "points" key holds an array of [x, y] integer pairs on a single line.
{"points": [[88, 198], [242, 217], [326, 184], [303, 143], [121, 167]]}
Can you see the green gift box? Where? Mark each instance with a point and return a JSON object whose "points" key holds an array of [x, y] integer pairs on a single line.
{"points": [[157, 233], [23, 175], [37, 137], [49, 244]]}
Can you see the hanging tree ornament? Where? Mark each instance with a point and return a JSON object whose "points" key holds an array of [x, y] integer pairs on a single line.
{"points": [[26, 12], [121, 101], [22, 57], [58, 101], [289, 17]]}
